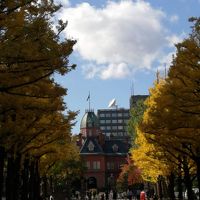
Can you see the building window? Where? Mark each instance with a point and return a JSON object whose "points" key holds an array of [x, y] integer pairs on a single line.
{"points": [[120, 127], [102, 115], [103, 127], [126, 114], [108, 128], [108, 134], [120, 121], [110, 165], [102, 121], [90, 133], [126, 121], [114, 121], [114, 134], [120, 133], [88, 164], [96, 164], [108, 121], [107, 114], [114, 114], [119, 114], [125, 133]]}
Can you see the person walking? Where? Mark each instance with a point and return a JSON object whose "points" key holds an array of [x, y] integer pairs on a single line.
{"points": [[51, 197], [142, 195], [115, 194], [107, 195], [130, 194], [102, 197]]}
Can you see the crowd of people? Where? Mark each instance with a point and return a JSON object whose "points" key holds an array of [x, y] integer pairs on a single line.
{"points": [[114, 195]]}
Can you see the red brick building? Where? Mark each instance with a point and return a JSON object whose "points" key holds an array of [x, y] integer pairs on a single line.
{"points": [[102, 155]]}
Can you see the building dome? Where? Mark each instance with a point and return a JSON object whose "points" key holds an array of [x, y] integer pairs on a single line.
{"points": [[89, 120]]}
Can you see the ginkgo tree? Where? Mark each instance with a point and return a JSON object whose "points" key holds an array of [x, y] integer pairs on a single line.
{"points": [[171, 119], [33, 125], [144, 157], [152, 152]]}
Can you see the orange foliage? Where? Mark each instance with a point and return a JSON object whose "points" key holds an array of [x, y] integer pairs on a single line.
{"points": [[131, 172]]}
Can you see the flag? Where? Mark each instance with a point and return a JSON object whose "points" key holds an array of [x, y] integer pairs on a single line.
{"points": [[88, 97]]}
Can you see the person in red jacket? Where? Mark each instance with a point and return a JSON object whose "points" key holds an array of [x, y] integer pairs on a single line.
{"points": [[142, 195]]}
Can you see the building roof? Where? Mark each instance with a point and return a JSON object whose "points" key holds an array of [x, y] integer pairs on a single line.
{"points": [[91, 146], [110, 147], [89, 120]]}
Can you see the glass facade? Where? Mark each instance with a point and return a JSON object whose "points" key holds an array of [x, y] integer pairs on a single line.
{"points": [[113, 122]]}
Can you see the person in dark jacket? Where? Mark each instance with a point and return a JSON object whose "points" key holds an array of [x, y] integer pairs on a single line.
{"points": [[107, 195], [114, 194]]}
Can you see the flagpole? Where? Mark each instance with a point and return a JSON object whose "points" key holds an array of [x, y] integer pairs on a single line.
{"points": [[89, 101]]}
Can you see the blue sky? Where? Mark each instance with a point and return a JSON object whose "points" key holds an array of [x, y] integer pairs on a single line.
{"points": [[120, 43]]}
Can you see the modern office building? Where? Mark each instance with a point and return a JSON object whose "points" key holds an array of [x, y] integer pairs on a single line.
{"points": [[113, 122], [135, 98]]}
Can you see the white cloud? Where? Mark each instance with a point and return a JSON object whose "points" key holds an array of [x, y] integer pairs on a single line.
{"points": [[90, 70], [117, 71], [122, 32]]}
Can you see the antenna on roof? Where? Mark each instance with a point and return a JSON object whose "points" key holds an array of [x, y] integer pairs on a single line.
{"points": [[157, 76], [112, 103], [132, 88]]}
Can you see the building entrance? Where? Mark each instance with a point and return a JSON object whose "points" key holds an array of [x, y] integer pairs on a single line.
{"points": [[91, 183]]}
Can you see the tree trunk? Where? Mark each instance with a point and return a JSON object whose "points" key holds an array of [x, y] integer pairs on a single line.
{"points": [[171, 186], [44, 187], [198, 173], [187, 180], [9, 178], [160, 190], [180, 179], [31, 181], [34, 181], [2, 159], [51, 184], [37, 181], [25, 180], [16, 177], [180, 188]]}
